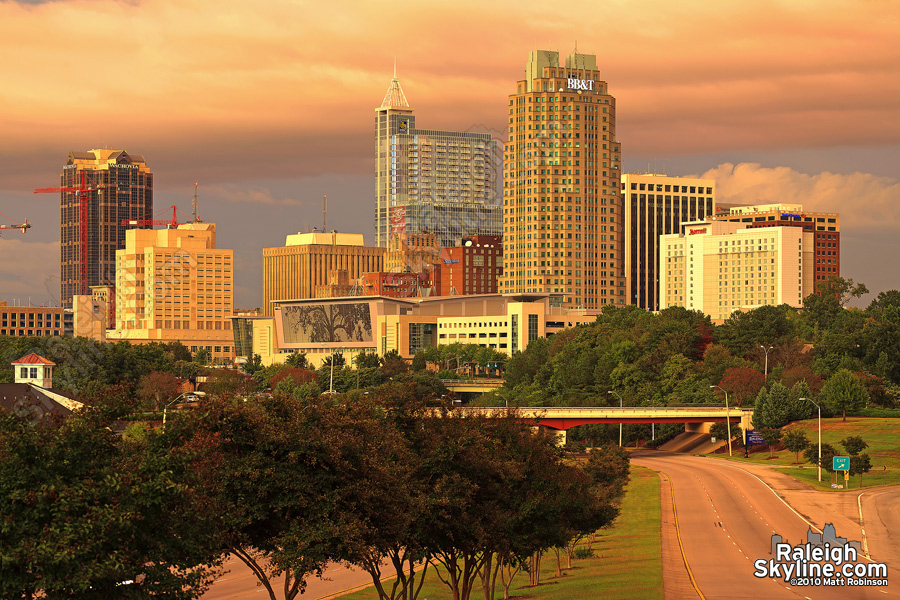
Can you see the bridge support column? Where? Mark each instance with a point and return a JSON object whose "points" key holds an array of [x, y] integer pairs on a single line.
{"points": [[560, 436], [697, 427]]}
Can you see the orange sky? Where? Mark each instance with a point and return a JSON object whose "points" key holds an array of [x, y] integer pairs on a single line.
{"points": [[270, 103]]}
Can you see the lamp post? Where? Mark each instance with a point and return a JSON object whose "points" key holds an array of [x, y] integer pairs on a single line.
{"points": [[727, 418], [766, 350], [820, 436], [166, 408], [620, 406]]}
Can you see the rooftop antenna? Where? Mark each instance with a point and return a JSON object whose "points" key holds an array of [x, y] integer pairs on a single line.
{"points": [[324, 213], [395, 67], [194, 204]]}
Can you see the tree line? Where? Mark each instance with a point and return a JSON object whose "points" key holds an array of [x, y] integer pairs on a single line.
{"points": [[769, 357], [287, 485]]}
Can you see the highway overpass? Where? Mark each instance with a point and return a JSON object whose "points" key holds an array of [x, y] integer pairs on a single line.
{"points": [[562, 418]]}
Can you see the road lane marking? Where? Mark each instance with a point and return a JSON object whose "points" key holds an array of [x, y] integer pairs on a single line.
{"points": [[680, 545], [862, 527]]}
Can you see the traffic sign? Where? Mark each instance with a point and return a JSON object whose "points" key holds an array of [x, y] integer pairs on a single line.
{"points": [[840, 463], [754, 439]]}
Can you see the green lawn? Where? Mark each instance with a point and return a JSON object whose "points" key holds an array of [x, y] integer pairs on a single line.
{"points": [[882, 435], [627, 564]]}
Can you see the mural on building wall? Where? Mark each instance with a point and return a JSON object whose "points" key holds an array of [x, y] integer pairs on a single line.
{"points": [[327, 323]]}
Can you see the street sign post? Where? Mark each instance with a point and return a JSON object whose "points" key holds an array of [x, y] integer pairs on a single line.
{"points": [[841, 463]]}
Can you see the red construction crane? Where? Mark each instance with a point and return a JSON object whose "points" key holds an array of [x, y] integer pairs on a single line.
{"points": [[82, 193], [24, 226], [153, 222]]}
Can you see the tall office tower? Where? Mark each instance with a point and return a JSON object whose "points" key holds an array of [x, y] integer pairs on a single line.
{"points": [[719, 267], [442, 182], [825, 227], [657, 205], [175, 285], [563, 221], [121, 189]]}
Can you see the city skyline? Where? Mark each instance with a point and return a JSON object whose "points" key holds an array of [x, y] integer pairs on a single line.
{"points": [[270, 107]]}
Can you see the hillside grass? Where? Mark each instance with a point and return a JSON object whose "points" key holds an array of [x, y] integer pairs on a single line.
{"points": [[882, 435], [627, 564]]}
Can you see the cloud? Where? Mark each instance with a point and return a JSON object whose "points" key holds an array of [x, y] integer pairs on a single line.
{"points": [[231, 88], [248, 195], [864, 201]]}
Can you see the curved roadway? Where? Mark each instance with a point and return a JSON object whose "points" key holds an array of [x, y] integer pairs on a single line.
{"points": [[727, 515]]}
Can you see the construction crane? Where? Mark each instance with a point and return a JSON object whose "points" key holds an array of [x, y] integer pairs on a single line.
{"points": [[82, 192], [154, 222], [24, 226]]}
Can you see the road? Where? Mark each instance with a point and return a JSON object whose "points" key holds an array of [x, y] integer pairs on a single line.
{"points": [[727, 515], [240, 583]]}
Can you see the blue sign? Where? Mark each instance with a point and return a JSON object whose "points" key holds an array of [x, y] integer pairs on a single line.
{"points": [[840, 463], [754, 439]]}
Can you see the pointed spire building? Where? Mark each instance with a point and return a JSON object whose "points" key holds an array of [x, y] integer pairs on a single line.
{"points": [[444, 182]]}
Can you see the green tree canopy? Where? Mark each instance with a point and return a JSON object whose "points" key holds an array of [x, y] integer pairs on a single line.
{"points": [[843, 393]]}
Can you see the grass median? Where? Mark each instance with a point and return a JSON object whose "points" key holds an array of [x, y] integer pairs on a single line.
{"points": [[879, 433], [627, 564]]}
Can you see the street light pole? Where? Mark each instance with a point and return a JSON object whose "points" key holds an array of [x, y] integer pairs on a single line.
{"points": [[727, 417], [820, 436], [166, 408], [766, 350], [620, 406]]}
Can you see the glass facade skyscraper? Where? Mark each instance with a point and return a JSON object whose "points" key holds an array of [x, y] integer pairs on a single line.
{"points": [[426, 180]]}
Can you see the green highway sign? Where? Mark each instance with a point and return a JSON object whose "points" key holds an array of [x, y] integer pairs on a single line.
{"points": [[840, 463]]}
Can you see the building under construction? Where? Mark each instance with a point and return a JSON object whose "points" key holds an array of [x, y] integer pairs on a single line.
{"points": [[114, 186]]}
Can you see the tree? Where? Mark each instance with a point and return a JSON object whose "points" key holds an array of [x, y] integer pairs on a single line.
{"points": [[336, 359], [859, 464], [84, 510], [367, 360], [772, 408], [419, 362], [273, 479], [158, 387], [771, 436], [253, 364], [795, 440], [843, 392], [202, 356], [225, 382], [854, 444], [393, 365], [743, 384], [828, 453], [298, 360], [800, 406]]}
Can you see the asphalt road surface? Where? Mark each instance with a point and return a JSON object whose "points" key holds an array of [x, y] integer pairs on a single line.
{"points": [[727, 515], [240, 583]]}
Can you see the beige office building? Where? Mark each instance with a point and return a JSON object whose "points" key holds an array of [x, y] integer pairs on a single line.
{"points": [[175, 285], [507, 323], [719, 267], [657, 205], [412, 252], [563, 217], [310, 260]]}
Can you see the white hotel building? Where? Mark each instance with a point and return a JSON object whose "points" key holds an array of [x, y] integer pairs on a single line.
{"points": [[719, 267]]}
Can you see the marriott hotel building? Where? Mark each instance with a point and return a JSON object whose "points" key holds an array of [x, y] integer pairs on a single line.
{"points": [[563, 215]]}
